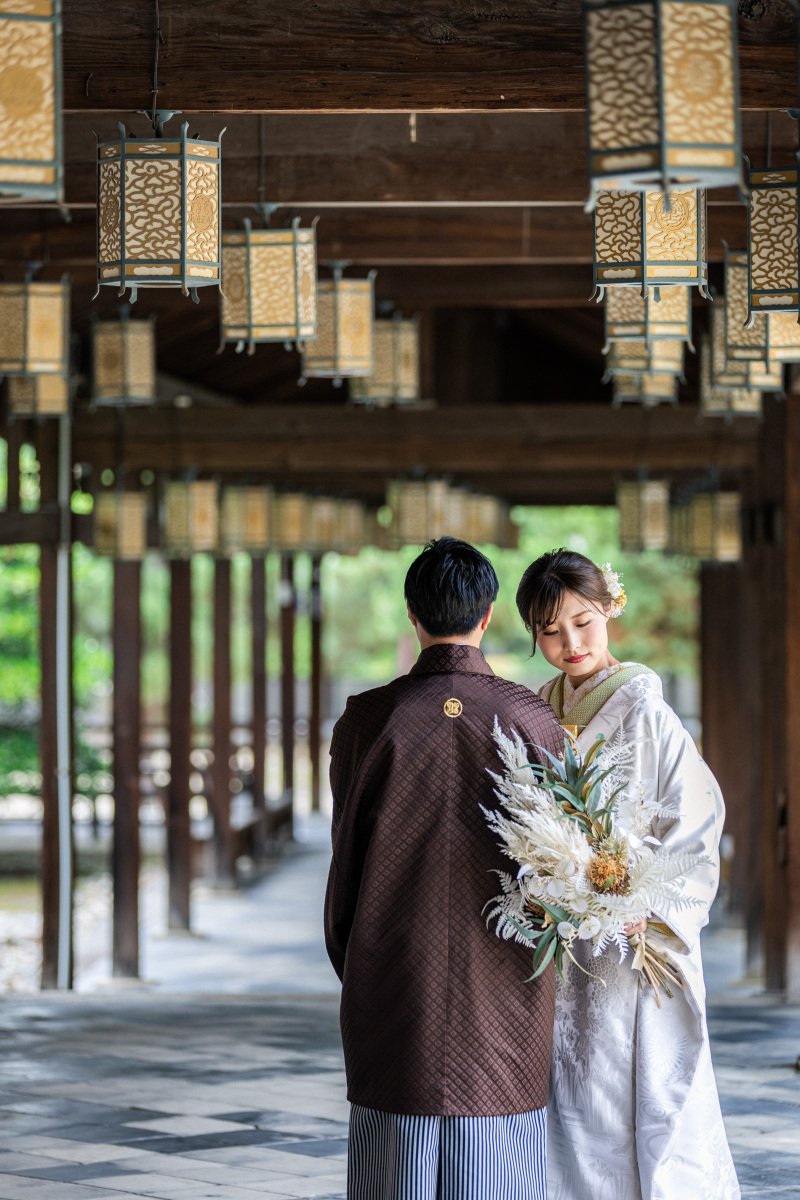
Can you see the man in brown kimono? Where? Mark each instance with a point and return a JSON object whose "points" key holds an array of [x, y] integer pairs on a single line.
{"points": [[447, 1048]]}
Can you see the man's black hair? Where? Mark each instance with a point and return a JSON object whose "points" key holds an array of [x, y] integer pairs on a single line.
{"points": [[450, 587]]}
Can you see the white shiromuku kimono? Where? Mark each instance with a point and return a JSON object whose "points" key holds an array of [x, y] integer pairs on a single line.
{"points": [[634, 1112]]}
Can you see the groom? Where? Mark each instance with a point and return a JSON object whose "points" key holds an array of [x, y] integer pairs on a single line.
{"points": [[447, 1048]]}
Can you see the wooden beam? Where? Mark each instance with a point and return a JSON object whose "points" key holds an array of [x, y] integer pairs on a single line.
{"points": [[179, 833], [220, 770], [259, 55], [126, 725], [288, 604], [315, 717]]}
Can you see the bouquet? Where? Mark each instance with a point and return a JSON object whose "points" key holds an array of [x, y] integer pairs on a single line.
{"points": [[589, 865]]}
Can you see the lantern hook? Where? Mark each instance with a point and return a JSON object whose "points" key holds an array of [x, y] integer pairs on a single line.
{"points": [[266, 211], [158, 117]]}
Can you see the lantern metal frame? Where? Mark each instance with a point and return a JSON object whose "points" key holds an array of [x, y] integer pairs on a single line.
{"points": [[119, 270], [126, 398], [660, 158], [334, 370], [298, 331], [11, 190], [366, 390], [625, 216]]}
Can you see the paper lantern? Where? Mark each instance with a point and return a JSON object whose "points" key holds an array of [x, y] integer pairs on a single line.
{"points": [[744, 339], [395, 379], [244, 514], [680, 529], [34, 328], [270, 291], [648, 389], [158, 205], [345, 344], [643, 515], [38, 395], [772, 238], [31, 139], [120, 525], [123, 362], [662, 90], [323, 524], [191, 517], [721, 399], [648, 240], [716, 526], [290, 525]]}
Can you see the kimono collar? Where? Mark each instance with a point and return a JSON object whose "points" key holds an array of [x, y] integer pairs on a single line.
{"points": [[445, 658]]}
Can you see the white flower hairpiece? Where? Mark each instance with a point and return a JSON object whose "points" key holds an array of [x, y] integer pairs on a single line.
{"points": [[615, 589]]}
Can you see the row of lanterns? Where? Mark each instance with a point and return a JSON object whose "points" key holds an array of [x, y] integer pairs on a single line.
{"points": [[706, 525], [426, 509]]}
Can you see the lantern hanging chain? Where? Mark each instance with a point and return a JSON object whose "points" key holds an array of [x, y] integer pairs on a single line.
{"points": [[159, 41]]}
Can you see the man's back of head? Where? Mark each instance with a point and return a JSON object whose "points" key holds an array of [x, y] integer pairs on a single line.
{"points": [[450, 589]]}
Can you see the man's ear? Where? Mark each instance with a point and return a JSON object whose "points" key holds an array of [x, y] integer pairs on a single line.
{"points": [[487, 618], [411, 617]]}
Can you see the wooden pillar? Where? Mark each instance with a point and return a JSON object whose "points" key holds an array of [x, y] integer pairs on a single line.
{"points": [[288, 603], [315, 721], [127, 648], [14, 435], [179, 834], [55, 725], [258, 628], [779, 579], [221, 771]]}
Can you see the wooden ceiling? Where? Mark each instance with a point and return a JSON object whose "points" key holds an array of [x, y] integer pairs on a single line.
{"points": [[472, 211]]}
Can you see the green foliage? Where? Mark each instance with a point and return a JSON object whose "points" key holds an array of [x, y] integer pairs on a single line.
{"points": [[19, 625]]}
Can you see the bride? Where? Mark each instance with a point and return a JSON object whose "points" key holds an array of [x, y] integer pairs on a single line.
{"points": [[633, 1110]]}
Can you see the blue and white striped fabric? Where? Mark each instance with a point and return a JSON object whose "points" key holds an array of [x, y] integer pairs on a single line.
{"points": [[395, 1157]]}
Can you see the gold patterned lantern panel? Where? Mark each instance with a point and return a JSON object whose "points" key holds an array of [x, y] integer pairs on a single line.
{"points": [[662, 87], [290, 530], [631, 315], [745, 339], [123, 362], [323, 524], [34, 328], [730, 399], [783, 338], [395, 379], [38, 395], [772, 235], [158, 205], [643, 515], [716, 526], [31, 140], [345, 343], [120, 525], [270, 292], [627, 358], [649, 239], [244, 520], [191, 517], [765, 378]]}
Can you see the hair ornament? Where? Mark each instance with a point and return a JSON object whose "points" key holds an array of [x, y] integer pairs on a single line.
{"points": [[615, 588]]}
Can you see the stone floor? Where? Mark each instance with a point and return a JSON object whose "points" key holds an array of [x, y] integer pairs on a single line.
{"points": [[222, 1078]]}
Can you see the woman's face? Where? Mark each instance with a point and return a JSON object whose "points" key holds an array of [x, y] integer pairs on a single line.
{"points": [[576, 642]]}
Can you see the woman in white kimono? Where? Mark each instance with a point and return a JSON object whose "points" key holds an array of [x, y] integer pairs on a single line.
{"points": [[633, 1112]]}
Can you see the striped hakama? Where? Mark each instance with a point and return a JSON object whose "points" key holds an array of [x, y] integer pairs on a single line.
{"points": [[395, 1157]]}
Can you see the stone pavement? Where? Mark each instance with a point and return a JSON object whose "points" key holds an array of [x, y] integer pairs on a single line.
{"points": [[188, 1091]]}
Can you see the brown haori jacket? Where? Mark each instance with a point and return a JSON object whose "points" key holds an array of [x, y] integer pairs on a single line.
{"points": [[437, 1018]]}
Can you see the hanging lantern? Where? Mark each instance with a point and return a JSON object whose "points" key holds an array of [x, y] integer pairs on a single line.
{"points": [[395, 379], [643, 515], [290, 527], [344, 345], [680, 529], [351, 531], [158, 204], [120, 525], [772, 236], [408, 501], [630, 316], [244, 520], [270, 286], [31, 139], [662, 88], [34, 328], [648, 389], [716, 526], [38, 395], [191, 517], [123, 362], [725, 399], [725, 372], [323, 523], [744, 340], [647, 239]]}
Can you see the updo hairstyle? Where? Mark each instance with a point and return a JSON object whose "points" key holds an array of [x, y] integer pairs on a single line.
{"points": [[545, 583]]}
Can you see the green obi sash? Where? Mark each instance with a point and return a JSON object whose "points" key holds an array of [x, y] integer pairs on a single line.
{"points": [[587, 709]]}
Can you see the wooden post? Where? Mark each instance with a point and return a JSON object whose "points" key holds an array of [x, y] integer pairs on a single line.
{"points": [[55, 725], [788, 813], [315, 721], [179, 834], [221, 771], [127, 648], [258, 628], [14, 436], [288, 600]]}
